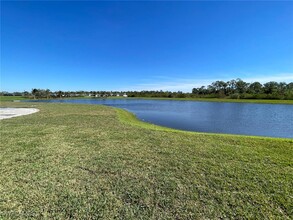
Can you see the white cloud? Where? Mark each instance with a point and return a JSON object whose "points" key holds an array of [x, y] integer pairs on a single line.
{"points": [[186, 85]]}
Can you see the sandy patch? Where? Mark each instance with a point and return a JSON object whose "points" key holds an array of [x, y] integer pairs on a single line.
{"points": [[15, 112]]}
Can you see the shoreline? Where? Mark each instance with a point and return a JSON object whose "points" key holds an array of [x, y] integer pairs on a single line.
{"points": [[130, 118], [256, 101], [75, 149]]}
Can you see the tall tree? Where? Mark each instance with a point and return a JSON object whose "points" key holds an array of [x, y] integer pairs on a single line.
{"points": [[270, 87], [35, 92], [48, 93], [255, 88], [241, 86]]}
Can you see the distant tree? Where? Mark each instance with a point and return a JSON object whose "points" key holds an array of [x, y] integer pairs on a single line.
{"points": [[271, 87], [195, 91], [282, 86], [35, 92], [231, 86], [202, 90], [17, 94], [241, 86], [25, 93], [240, 89], [211, 89], [48, 93], [180, 94], [255, 88], [289, 86], [59, 94]]}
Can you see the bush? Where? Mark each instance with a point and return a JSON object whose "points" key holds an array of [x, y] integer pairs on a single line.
{"points": [[234, 96]]}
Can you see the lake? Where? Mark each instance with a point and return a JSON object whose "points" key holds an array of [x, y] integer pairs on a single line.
{"points": [[272, 120]]}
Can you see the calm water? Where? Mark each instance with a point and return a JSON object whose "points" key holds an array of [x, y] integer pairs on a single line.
{"points": [[231, 118]]}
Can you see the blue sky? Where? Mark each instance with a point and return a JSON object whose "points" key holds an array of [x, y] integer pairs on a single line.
{"points": [[143, 45]]}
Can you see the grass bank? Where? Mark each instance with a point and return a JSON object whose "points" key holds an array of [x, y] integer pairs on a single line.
{"points": [[262, 101], [11, 98], [89, 161]]}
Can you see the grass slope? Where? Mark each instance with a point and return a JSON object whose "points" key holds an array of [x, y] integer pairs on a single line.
{"points": [[262, 101], [10, 98], [90, 162]]}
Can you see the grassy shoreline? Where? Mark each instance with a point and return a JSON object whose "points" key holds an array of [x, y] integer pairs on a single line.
{"points": [[129, 118], [90, 161], [258, 101]]}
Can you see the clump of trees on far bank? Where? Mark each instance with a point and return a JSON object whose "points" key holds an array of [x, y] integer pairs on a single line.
{"points": [[47, 94], [233, 89], [238, 89]]}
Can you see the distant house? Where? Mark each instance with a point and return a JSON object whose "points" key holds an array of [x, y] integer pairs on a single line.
{"points": [[117, 95], [125, 95]]}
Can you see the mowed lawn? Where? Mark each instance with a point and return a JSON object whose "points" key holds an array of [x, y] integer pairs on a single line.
{"points": [[95, 162], [11, 98]]}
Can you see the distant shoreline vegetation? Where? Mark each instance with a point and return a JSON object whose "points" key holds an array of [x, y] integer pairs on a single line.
{"points": [[233, 89]]}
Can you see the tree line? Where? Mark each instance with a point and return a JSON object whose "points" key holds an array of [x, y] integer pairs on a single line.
{"points": [[233, 89], [239, 89], [47, 93]]}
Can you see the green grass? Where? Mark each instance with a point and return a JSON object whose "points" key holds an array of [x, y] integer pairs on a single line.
{"points": [[90, 162], [263, 101], [10, 98]]}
